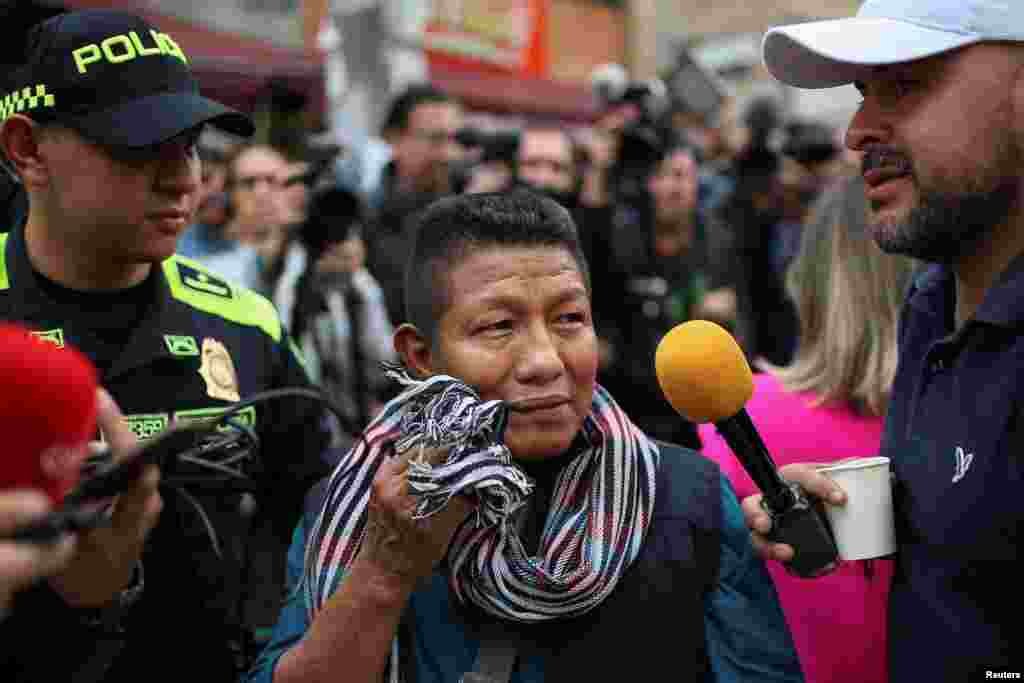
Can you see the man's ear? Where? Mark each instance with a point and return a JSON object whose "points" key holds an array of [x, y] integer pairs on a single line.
{"points": [[414, 350], [1017, 94], [19, 141]]}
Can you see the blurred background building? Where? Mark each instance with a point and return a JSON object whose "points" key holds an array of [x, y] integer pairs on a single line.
{"points": [[507, 60], [534, 58]]}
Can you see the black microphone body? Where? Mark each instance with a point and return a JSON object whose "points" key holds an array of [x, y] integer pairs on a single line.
{"points": [[796, 521], [110, 479]]}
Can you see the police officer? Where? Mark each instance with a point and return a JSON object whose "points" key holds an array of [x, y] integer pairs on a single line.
{"points": [[101, 124]]}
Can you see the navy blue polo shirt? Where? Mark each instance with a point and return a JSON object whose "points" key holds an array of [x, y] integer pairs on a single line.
{"points": [[953, 434]]}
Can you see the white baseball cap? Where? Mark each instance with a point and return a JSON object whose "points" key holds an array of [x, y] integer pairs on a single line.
{"points": [[825, 54]]}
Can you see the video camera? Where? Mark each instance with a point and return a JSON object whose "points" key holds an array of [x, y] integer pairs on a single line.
{"points": [[642, 141], [501, 146], [611, 85], [642, 146], [335, 215]]}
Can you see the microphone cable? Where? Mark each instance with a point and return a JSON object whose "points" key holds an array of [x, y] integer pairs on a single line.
{"points": [[207, 454], [210, 452]]}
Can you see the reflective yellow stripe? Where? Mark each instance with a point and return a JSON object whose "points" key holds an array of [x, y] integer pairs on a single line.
{"points": [[299, 356], [5, 282], [25, 99], [240, 306]]}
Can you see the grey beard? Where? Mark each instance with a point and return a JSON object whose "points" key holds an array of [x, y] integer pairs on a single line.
{"points": [[943, 227]]}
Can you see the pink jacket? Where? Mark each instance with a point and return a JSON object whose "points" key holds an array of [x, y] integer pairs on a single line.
{"points": [[838, 621]]}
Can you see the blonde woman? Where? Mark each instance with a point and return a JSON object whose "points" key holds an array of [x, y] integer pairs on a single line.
{"points": [[828, 404]]}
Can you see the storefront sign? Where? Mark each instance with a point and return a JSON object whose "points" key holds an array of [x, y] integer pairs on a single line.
{"points": [[503, 34]]}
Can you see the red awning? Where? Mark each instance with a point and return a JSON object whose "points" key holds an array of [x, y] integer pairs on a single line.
{"points": [[498, 91]]}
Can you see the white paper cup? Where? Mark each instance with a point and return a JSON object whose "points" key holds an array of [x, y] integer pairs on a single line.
{"points": [[863, 528]]}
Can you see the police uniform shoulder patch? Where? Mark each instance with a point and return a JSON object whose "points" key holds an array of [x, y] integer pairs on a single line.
{"points": [[197, 287], [218, 371], [201, 281]]}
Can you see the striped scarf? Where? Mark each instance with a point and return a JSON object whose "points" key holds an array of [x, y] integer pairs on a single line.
{"points": [[598, 518]]}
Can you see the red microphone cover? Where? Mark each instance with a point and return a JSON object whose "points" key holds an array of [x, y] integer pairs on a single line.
{"points": [[47, 412]]}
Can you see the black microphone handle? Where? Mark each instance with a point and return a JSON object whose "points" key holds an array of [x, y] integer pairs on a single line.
{"points": [[795, 520], [741, 435]]}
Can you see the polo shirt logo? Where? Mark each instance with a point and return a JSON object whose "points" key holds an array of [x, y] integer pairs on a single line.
{"points": [[963, 463], [203, 282], [55, 337]]}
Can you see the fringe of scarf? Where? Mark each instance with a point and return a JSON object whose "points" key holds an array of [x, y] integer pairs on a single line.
{"points": [[598, 518]]}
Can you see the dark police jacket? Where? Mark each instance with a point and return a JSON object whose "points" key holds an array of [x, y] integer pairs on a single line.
{"points": [[955, 436], [201, 344]]}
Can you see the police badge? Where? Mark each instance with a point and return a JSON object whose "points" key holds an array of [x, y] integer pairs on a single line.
{"points": [[218, 370]]}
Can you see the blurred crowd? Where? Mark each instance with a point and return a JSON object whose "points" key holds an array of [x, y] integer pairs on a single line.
{"points": [[682, 215]]}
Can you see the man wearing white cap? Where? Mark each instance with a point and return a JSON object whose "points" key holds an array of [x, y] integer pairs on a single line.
{"points": [[941, 130]]}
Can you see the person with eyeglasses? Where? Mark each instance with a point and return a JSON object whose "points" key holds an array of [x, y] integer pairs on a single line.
{"points": [[421, 130], [298, 176], [417, 143], [256, 213]]}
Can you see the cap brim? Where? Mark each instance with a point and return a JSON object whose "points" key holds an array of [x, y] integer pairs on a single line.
{"points": [[156, 118], [826, 54]]}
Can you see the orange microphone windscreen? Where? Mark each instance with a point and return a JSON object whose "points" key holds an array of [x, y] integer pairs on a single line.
{"points": [[703, 372]]}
